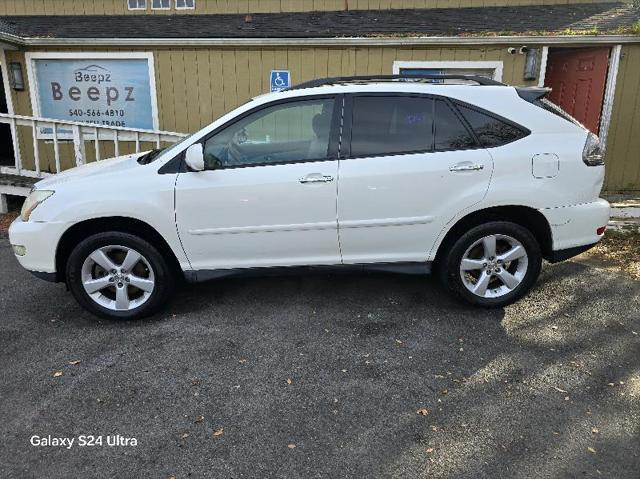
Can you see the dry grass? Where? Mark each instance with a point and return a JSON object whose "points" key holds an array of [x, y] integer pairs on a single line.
{"points": [[5, 220], [618, 250]]}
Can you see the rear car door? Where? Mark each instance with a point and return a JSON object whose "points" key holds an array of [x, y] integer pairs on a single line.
{"points": [[409, 164], [267, 196]]}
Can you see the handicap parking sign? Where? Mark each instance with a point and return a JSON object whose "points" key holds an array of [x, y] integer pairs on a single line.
{"points": [[280, 79]]}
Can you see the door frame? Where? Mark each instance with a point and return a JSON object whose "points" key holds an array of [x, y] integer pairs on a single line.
{"points": [[609, 91]]}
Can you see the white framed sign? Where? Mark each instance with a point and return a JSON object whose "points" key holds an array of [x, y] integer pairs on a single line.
{"points": [[111, 89]]}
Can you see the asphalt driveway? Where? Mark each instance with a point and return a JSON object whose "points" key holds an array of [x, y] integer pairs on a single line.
{"points": [[326, 376]]}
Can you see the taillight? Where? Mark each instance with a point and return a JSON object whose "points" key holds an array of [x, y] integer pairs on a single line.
{"points": [[600, 231], [592, 154]]}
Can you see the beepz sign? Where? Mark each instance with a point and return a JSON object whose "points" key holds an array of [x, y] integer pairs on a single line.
{"points": [[93, 75], [114, 92]]}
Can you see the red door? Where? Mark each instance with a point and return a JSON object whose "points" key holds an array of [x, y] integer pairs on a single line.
{"points": [[578, 77]]}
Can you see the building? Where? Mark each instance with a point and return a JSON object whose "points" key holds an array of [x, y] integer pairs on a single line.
{"points": [[176, 65]]}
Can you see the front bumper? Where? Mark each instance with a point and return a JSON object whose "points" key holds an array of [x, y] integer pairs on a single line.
{"points": [[575, 227], [40, 241]]}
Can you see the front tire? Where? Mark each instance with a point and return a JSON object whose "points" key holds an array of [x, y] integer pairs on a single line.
{"points": [[492, 265], [118, 275]]}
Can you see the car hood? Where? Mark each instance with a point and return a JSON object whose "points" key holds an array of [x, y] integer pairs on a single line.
{"points": [[118, 165]]}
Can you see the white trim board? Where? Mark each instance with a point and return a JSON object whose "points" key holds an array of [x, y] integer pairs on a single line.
{"points": [[338, 41], [609, 94], [33, 82], [496, 66]]}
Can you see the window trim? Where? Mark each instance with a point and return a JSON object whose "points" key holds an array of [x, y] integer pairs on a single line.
{"points": [[185, 8], [334, 134], [137, 8], [348, 125], [161, 8]]}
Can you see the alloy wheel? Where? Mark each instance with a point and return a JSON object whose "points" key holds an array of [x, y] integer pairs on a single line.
{"points": [[494, 266], [118, 278]]}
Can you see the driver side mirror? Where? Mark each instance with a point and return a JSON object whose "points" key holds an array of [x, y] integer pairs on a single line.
{"points": [[194, 157]]}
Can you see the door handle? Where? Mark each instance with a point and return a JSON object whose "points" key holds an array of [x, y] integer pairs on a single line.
{"points": [[456, 168], [316, 178]]}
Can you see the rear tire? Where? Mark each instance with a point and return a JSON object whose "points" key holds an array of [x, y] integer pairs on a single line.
{"points": [[492, 265], [118, 275]]}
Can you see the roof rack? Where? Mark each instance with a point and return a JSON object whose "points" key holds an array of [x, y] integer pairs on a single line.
{"points": [[377, 78]]}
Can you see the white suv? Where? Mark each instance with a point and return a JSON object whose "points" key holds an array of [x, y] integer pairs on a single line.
{"points": [[474, 179]]}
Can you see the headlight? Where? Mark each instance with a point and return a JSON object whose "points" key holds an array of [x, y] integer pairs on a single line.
{"points": [[33, 200]]}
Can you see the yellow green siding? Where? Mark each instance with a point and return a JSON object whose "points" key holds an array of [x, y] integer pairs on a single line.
{"points": [[623, 143], [119, 7], [197, 85]]}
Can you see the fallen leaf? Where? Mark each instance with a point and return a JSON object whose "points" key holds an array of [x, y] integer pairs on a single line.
{"points": [[423, 412], [199, 419], [57, 374], [291, 446], [398, 341], [289, 381], [74, 362], [429, 450], [243, 360], [591, 450], [554, 327], [595, 430], [344, 370], [559, 390], [185, 435], [219, 432]]}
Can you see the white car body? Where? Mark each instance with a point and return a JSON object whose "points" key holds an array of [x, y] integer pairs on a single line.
{"points": [[376, 210]]}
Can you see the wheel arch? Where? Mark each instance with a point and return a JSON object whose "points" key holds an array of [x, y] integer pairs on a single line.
{"points": [[79, 231], [524, 216]]}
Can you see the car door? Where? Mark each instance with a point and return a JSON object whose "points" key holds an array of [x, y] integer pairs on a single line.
{"points": [[267, 196], [410, 165]]}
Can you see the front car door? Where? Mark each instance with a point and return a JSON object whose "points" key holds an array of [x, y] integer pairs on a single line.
{"points": [[267, 196], [410, 166]]}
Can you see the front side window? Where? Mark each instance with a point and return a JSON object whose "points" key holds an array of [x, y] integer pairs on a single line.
{"points": [[284, 133], [185, 4], [388, 125], [137, 4], [161, 4], [451, 134], [491, 131]]}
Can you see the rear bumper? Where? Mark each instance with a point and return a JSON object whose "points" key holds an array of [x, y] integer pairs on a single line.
{"points": [[574, 229], [564, 254]]}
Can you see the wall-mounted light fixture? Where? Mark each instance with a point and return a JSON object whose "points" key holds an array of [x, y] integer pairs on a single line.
{"points": [[531, 62], [16, 78]]}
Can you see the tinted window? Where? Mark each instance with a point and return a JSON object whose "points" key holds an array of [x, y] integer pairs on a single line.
{"points": [[451, 134], [389, 125], [489, 130], [294, 131]]}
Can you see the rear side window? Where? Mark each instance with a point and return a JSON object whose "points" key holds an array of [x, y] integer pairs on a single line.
{"points": [[451, 134], [387, 125], [491, 131]]}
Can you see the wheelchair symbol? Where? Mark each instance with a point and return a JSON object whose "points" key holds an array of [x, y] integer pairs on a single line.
{"points": [[279, 80]]}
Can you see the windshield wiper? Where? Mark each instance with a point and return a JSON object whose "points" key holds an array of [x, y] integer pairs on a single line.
{"points": [[150, 156]]}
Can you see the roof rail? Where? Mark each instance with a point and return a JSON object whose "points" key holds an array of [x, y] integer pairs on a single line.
{"points": [[376, 78]]}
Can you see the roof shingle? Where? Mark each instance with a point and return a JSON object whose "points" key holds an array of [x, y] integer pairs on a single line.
{"points": [[426, 22]]}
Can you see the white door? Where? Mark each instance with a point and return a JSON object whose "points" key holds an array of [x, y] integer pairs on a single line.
{"points": [[412, 166], [268, 194]]}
